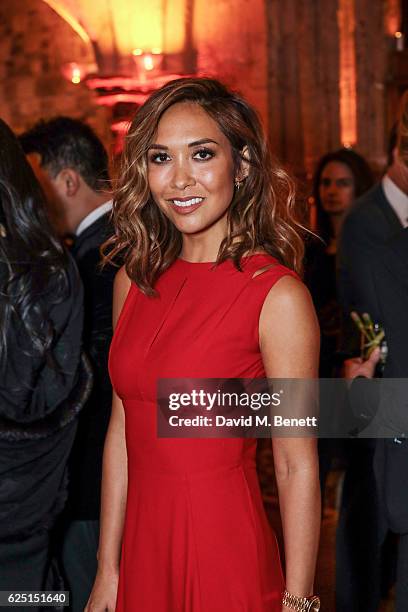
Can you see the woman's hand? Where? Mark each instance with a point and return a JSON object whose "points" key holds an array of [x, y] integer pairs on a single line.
{"points": [[104, 592]]}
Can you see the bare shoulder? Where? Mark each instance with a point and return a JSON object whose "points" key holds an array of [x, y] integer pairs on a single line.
{"points": [[120, 290], [288, 330], [288, 292]]}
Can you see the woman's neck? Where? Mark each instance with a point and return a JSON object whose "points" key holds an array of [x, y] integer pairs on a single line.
{"points": [[204, 246]]}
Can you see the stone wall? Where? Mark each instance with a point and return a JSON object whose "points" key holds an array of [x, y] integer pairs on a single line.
{"points": [[34, 45], [230, 38]]}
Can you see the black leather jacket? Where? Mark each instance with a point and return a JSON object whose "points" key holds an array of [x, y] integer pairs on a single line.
{"points": [[38, 410]]}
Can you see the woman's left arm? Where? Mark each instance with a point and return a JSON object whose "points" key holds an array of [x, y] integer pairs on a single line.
{"points": [[289, 341]]}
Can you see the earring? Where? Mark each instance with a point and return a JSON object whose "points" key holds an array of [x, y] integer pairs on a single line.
{"points": [[3, 232], [237, 185]]}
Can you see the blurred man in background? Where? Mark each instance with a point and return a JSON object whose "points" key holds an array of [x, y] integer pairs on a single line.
{"points": [[380, 214], [377, 219], [72, 166]]}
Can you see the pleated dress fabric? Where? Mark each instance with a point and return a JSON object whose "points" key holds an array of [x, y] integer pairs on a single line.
{"points": [[196, 537]]}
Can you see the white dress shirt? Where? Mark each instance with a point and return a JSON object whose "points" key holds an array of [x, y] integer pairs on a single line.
{"points": [[397, 198], [93, 216]]}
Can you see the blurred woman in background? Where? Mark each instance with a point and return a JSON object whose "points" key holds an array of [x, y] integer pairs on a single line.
{"points": [[44, 380], [340, 178]]}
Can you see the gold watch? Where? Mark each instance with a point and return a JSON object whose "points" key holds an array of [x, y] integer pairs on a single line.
{"points": [[301, 604]]}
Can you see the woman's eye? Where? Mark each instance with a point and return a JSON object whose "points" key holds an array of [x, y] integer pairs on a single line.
{"points": [[159, 158], [203, 154], [345, 182]]}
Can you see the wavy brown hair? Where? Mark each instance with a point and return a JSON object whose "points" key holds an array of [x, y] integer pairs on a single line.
{"points": [[263, 214]]}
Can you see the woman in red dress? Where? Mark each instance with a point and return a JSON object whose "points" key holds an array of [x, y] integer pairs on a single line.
{"points": [[207, 227]]}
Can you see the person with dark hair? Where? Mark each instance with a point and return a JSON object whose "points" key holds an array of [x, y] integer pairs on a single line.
{"points": [[72, 164], [340, 178], [389, 275], [390, 461], [44, 378], [209, 230], [373, 221], [376, 217]]}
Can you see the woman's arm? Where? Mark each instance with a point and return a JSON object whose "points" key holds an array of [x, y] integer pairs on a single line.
{"points": [[114, 489], [289, 340]]}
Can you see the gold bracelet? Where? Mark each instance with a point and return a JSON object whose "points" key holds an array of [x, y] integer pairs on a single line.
{"points": [[301, 604]]}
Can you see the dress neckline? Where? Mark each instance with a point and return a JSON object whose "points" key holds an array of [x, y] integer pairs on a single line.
{"points": [[214, 263]]}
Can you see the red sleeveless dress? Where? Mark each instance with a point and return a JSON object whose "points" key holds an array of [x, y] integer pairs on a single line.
{"points": [[196, 537]]}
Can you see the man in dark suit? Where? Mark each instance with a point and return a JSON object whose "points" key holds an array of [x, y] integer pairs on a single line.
{"points": [[389, 275], [374, 220], [72, 165]]}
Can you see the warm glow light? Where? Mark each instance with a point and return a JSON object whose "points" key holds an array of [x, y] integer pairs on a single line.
{"points": [[63, 12], [128, 98], [121, 127], [148, 62], [120, 26], [76, 76], [399, 40], [347, 77], [392, 16], [75, 73], [130, 84], [141, 25]]}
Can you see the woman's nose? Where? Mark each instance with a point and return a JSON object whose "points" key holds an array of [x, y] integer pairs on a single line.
{"points": [[182, 175]]}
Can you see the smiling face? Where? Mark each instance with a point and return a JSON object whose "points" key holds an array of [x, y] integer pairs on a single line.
{"points": [[336, 188], [191, 170]]}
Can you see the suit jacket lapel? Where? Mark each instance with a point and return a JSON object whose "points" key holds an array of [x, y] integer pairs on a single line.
{"points": [[98, 226]]}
